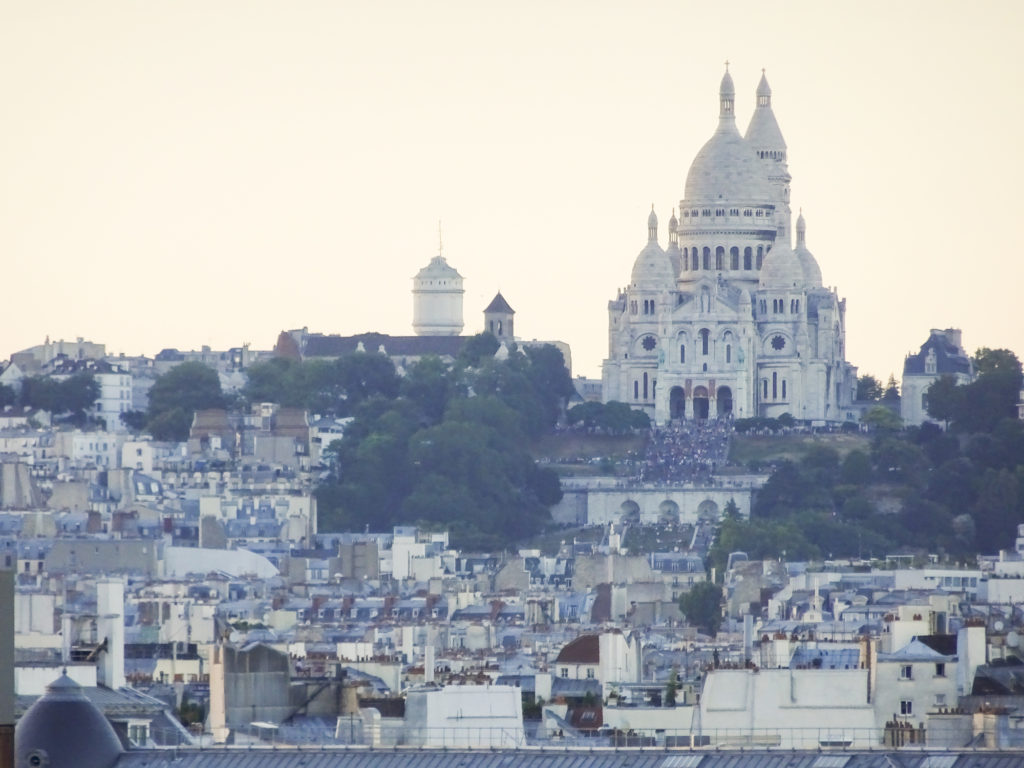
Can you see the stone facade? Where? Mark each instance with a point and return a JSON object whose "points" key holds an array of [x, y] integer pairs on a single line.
{"points": [[730, 318]]}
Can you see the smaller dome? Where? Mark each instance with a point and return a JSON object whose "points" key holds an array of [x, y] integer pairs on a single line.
{"points": [[673, 222], [782, 268], [812, 272], [653, 269], [65, 730]]}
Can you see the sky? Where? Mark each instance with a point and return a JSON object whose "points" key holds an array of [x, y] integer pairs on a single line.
{"points": [[197, 172]]}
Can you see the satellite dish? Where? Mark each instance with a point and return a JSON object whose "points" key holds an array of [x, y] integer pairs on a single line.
{"points": [[998, 626], [1013, 639]]}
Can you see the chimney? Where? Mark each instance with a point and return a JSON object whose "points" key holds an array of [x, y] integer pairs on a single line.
{"points": [[110, 626], [428, 664]]}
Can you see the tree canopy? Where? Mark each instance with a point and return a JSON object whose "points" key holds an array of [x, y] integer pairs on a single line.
{"points": [[702, 607], [449, 445], [74, 395], [177, 395]]}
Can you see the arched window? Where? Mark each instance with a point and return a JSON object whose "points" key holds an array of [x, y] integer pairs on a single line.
{"points": [[492, 322], [704, 334], [707, 258], [728, 353], [734, 258], [686, 259], [775, 385], [719, 257], [645, 385], [499, 327], [783, 389], [760, 256], [747, 258], [636, 389], [682, 353], [764, 385]]}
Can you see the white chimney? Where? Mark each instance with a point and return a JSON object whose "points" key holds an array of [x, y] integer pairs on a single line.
{"points": [[428, 664], [110, 627]]}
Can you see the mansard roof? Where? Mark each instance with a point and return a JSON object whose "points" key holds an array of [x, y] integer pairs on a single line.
{"points": [[950, 358]]}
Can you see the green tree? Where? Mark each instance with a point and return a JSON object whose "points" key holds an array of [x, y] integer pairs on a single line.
{"points": [[702, 606], [945, 399], [41, 392], [671, 688], [882, 419], [997, 512], [431, 384], [478, 348], [993, 396], [177, 395], [856, 468], [550, 379], [891, 395], [78, 394], [868, 388], [997, 362], [587, 414], [270, 381], [134, 420], [74, 396]]}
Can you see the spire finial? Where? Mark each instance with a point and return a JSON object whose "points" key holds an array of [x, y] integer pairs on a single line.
{"points": [[440, 240], [726, 65]]}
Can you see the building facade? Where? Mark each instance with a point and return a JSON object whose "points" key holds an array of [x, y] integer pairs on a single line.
{"points": [[942, 354], [731, 319]]}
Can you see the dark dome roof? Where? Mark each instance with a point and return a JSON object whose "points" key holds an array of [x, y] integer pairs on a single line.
{"points": [[66, 729]]}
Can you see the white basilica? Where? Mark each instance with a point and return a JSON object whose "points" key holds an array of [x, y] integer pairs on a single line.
{"points": [[730, 319]]}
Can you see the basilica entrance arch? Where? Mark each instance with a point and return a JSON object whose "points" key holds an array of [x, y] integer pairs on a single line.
{"points": [[677, 403], [707, 511], [630, 512], [668, 512], [724, 395], [701, 404]]}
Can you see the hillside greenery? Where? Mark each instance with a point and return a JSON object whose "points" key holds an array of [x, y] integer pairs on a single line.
{"points": [[448, 446], [956, 492]]}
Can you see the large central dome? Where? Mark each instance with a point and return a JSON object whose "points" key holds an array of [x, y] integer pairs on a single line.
{"points": [[727, 169]]}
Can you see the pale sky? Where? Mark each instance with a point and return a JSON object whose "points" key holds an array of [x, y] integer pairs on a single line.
{"points": [[201, 172]]}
